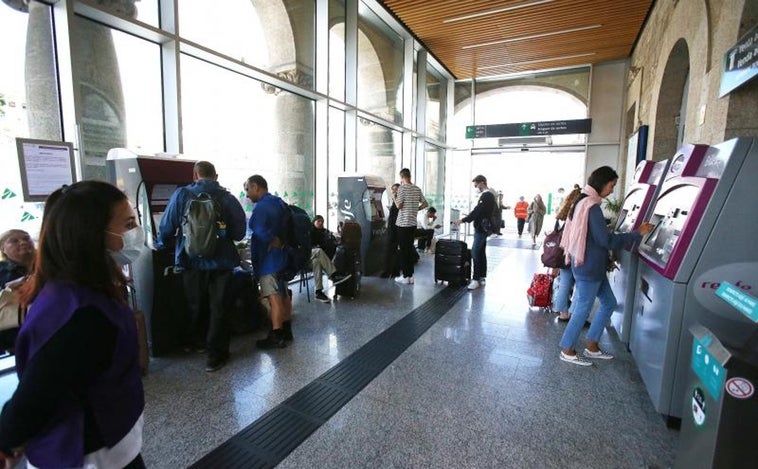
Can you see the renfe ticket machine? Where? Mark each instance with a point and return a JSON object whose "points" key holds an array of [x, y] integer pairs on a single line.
{"points": [[704, 233], [637, 205], [148, 183], [360, 200]]}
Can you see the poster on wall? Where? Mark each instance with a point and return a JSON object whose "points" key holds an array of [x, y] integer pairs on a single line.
{"points": [[45, 166], [740, 63], [637, 145]]}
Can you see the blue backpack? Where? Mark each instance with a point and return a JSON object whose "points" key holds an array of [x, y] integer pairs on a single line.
{"points": [[297, 240]]}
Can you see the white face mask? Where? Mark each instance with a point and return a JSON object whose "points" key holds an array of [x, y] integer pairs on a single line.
{"points": [[134, 241]]}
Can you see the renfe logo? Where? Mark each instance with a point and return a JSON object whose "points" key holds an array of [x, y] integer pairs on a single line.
{"points": [[743, 275], [715, 285]]}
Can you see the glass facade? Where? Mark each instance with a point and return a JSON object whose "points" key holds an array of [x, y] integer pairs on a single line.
{"points": [[232, 83]]}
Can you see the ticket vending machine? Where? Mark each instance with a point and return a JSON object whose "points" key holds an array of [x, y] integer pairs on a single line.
{"points": [[148, 183], [360, 200], [635, 210], [704, 233]]}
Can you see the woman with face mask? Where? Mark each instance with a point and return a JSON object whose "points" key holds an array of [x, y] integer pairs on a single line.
{"points": [[79, 401]]}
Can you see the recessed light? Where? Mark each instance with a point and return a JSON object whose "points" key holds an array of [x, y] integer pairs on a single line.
{"points": [[496, 10], [533, 36], [527, 62]]}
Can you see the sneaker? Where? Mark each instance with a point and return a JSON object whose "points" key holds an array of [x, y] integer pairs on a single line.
{"points": [[338, 278], [274, 339], [473, 285], [575, 359], [215, 364], [411, 280], [404, 280], [321, 297], [599, 354]]}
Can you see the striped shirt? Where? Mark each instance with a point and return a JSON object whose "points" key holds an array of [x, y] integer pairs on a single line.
{"points": [[411, 198]]}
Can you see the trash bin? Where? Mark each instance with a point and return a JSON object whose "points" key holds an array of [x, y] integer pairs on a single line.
{"points": [[720, 415]]}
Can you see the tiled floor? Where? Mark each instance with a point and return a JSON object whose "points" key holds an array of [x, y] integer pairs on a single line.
{"points": [[483, 387]]}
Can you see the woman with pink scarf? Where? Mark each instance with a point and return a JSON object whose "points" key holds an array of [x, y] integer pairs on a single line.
{"points": [[586, 242]]}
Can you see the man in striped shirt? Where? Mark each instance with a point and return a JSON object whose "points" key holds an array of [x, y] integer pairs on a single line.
{"points": [[409, 200]]}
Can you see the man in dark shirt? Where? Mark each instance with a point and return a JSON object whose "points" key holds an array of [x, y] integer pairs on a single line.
{"points": [[323, 247], [483, 210]]}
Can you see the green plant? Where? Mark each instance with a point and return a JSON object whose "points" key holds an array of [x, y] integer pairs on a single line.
{"points": [[611, 208]]}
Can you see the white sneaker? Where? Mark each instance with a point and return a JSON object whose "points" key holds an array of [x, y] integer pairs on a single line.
{"points": [[599, 354], [575, 359], [404, 280], [473, 285]]}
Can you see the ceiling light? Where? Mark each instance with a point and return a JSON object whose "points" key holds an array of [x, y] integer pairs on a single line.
{"points": [[534, 36], [497, 10], [548, 59]]}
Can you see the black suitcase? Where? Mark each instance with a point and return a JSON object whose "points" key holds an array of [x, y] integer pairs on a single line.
{"points": [[348, 261], [452, 262]]}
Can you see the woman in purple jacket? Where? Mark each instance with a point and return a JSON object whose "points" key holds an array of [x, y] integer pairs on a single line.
{"points": [[79, 401]]}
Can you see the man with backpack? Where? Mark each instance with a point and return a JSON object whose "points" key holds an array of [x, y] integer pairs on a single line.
{"points": [[203, 220], [269, 256]]}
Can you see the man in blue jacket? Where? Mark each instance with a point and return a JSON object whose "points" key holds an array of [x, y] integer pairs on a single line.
{"points": [[269, 258], [205, 278]]}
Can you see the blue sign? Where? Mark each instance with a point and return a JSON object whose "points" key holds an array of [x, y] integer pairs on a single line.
{"points": [[742, 302], [710, 372]]}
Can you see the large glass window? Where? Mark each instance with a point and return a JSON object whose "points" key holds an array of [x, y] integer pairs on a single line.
{"points": [[337, 49], [145, 11], [28, 105], [436, 97], [380, 67], [434, 177], [378, 148], [244, 129], [119, 79], [274, 35], [336, 162]]}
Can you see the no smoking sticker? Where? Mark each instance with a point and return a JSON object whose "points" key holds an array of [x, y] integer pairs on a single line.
{"points": [[739, 388]]}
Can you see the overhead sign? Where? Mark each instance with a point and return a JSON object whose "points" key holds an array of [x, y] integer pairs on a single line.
{"points": [[740, 62], [522, 129]]}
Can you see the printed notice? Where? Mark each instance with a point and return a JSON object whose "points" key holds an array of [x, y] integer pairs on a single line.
{"points": [[742, 302], [45, 167]]}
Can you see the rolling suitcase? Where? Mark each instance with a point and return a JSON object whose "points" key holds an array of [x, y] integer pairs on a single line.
{"points": [[348, 261], [540, 291], [452, 262]]}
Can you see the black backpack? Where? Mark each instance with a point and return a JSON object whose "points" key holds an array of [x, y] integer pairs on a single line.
{"points": [[297, 241], [552, 252], [202, 222]]}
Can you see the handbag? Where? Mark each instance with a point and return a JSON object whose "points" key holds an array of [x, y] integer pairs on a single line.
{"points": [[10, 310], [552, 252]]}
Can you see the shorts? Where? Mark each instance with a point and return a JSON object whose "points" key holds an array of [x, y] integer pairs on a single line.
{"points": [[271, 284]]}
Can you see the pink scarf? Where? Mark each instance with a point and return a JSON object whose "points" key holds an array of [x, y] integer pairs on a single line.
{"points": [[574, 239]]}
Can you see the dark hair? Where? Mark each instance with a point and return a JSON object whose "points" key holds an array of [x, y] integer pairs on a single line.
{"points": [[317, 218], [72, 241], [405, 173], [258, 180], [479, 179], [431, 209], [205, 169], [597, 180]]}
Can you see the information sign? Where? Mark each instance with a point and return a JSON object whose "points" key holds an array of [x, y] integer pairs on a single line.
{"points": [[740, 62], [45, 166], [523, 129]]}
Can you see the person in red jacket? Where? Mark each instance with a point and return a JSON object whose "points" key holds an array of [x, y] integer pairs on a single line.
{"points": [[521, 210]]}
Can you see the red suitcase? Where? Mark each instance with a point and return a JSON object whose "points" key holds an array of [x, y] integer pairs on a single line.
{"points": [[540, 292]]}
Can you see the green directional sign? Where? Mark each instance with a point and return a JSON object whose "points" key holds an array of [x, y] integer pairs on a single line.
{"points": [[27, 217], [525, 129], [8, 194]]}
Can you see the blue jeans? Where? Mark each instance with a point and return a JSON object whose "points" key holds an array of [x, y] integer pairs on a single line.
{"points": [[584, 297], [479, 256], [561, 299]]}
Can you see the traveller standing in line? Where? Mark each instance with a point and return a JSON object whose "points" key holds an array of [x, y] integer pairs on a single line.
{"points": [[409, 201], [536, 215], [521, 211], [79, 400], [565, 277], [482, 211], [390, 257], [206, 278], [269, 259], [586, 241], [323, 247], [16, 258]]}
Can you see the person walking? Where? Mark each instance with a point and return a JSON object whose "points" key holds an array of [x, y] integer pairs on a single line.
{"points": [[521, 211], [482, 211], [409, 201], [586, 241], [269, 259], [536, 216], [79, 400], [205, 278]]}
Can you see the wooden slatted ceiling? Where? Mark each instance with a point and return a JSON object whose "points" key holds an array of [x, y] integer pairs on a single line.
{"points": [[600, 31]]}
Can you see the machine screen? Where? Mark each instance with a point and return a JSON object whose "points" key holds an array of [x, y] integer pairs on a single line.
{"points": [[624, 222]]}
